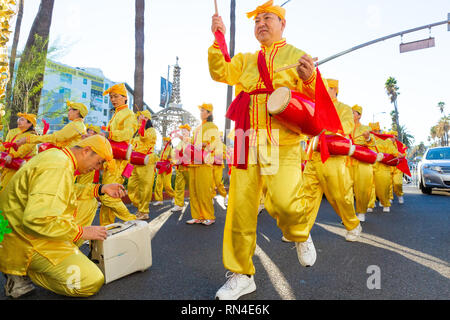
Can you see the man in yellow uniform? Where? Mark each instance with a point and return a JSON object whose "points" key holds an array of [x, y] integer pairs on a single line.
{"points": [[362, 172], [40, 204], [205, 139], [332, 178], [164, 177], [121, 128], [140, 184], [181, 163], [70, 134], [273, 157], [26, 122], [382, 172], [375, 127], [397, 175]]}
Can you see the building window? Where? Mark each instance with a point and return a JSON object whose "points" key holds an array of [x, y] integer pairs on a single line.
{"points": [[105, 100], [105, 112], [65, 77], [84, 95], [106, 86], [84, 81]]}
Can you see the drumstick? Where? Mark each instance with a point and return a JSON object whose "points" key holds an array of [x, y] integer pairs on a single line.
{"points": [[292, 66], [215, 5]]}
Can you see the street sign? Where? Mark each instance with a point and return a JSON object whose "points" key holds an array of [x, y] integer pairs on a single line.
{"points": [[417, 45]]}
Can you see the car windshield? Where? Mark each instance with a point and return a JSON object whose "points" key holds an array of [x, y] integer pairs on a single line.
{"points": [[439, 154]]}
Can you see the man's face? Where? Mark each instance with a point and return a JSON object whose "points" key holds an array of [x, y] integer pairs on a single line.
{"points": [[89, 161], [269, 28], [73, 114], [332, 92], [356, 116], [23, 124], [117, 100]]}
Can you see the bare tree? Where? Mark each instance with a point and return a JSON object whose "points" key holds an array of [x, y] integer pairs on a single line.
{"points": [[139, 56]]}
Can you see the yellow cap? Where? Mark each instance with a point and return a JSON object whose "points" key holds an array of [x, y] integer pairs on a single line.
{"points": [[99, 144], [145, 113], [375, 126], [393, 132], [206, 106], [94, 128], [167, 139], [117, 88], [268, 7], [78, 106], [29, 116], [332, 83], [185, 126], [357, 108]]}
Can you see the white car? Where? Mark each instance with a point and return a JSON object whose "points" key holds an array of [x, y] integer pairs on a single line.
{"points": [[434, 170]]}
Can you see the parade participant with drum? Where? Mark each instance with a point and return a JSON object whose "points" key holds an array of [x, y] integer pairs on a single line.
{"points": [[119, 132], [181, 164], [164, 171]]}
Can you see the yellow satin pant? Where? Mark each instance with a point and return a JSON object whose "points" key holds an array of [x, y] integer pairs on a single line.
{"points": [[75, 276], [362, 176], [397, 180], [112, 207], [333, 179], [373, 196], [86, 211], [282, 201], [218, 181], [181, 180], [5, 177], [163, 181], [383, 183], [140, 187], [201, 192]]}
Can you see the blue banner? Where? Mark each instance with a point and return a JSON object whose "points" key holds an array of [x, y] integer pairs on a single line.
{"points": [[166, 93]]}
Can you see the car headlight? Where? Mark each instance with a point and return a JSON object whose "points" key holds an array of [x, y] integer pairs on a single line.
{"points": [[434, 168]]}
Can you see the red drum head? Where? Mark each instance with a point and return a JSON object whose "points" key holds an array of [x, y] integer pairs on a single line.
{"points": [[364, 154], [121, 150], [294, 110], [15, 164]]}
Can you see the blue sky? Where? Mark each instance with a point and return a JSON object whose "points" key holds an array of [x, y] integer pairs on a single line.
{"points": [[100, 34]]}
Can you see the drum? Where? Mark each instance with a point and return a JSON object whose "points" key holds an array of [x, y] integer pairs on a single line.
{"points": [[163, 166], [390, 160], [139, 158], [366, 155], [15, 163], [121, 150], [294, 110], [337, 145], [46, 146], [194, 155]]}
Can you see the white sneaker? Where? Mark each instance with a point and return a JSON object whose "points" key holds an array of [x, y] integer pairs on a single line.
{"points": [[157, 203], [354, 234], [361, 217], [369, 210], [142, 216], [17, 286], [306, 252], [401, 200], [386, 209], [177, 208], [236, 286], [225, 201], [285, 240]]}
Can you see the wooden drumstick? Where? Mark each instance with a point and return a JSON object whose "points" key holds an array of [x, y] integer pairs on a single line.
{"points": [[215, 5], [295, 65]]}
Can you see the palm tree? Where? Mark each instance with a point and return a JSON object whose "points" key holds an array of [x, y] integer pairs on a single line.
{"points": [[38, 36], [392, 92], [441, 106], [12, 60], [407, 138], [139, 56]]}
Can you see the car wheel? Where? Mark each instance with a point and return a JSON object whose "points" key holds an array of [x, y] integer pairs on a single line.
{"points": [[425, 190]]}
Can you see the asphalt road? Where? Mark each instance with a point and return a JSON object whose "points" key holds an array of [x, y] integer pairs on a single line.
{"points": [[403, 254]]}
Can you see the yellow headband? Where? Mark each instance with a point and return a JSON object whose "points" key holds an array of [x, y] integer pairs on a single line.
{"points": [[185, 126], [78, 106], [357, 108], [332, 83], [96, 129], [268, 7], [375, 126], [145, 113], [206, 106], [100, 145], [117, 88], [29, 116]]}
